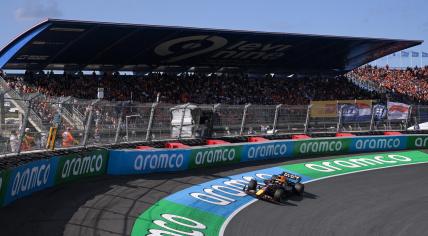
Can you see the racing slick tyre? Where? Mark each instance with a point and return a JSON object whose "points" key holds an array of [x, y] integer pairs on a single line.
{"points": [[299, 189], [279, 195], [252, 185]]}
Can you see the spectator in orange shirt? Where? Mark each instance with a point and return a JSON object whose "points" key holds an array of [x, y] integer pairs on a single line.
{"points": [[28, 141], [67, 138]]}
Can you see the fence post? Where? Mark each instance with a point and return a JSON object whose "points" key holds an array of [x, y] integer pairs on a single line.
{"points": [[407, 118], [276, 118], [119, 124], [340, 119], [244, 114], [182, 120], [88, 122], [149, 126], [372, 118], [2, 110], [308, 111]]}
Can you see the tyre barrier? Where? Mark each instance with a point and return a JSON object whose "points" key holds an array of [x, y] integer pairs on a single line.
{"points": [[35, 176]]}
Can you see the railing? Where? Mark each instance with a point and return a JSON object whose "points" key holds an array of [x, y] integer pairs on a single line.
{"points": [[104, 123], [22, 105]]}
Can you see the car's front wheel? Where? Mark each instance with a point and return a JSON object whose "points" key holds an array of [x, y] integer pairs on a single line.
{"points": [[252, 185]]}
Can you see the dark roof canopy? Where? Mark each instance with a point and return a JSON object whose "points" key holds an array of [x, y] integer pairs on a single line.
{"points": [[78, 45]]}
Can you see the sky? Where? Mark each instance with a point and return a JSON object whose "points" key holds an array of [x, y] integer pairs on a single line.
{"points": [[401, 19]]}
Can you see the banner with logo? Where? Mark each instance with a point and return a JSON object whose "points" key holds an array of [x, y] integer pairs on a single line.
{"points": [[417, 141], [379, 143], [349, 112], [323, 109], [321, 146], [354, 109], [397, 111], [76, 166], [4, 178], [29, 178], [215, 156], [380, 112], [267, 150], [123, 162]]}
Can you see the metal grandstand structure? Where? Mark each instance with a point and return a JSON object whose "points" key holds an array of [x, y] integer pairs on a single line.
{"points": [[99, 122]]}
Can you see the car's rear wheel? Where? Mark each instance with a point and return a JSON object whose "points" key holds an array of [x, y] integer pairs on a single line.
{"points": [[252, 185], [279, 195], [299, 188]]}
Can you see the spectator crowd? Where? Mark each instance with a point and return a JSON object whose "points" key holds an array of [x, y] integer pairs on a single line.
{"points": [[194, 88], [410, 84]]}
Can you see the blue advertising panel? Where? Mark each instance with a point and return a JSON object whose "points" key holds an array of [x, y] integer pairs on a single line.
{"points": [[380, 143], [124, 162], [267, 150], [29, 178]]}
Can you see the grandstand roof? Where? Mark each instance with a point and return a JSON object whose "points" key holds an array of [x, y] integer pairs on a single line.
{"points": [[80, 45]]}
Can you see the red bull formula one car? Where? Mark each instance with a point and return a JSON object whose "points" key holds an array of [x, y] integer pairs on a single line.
{"points": [[277, 188]]}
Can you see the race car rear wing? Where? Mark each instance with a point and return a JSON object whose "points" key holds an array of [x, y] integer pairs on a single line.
{"points": [[291, 176]]}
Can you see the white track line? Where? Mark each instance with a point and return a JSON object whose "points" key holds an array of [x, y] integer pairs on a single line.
{"points": [[230, 217]]}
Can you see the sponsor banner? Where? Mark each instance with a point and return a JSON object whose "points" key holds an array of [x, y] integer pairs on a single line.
{"points": [[267, 150], [358, 111], [418, 141], [381, 143], [325, 168], [29, 178], [168, 218], [321, 146], [397, 111], [380, 112], [215, 156], [123, 162], [4, 177], [323, 109], [361, 108], [73, 167]]}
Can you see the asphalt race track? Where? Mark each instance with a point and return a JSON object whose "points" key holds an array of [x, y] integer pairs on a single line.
{"points": [[392, 201]]}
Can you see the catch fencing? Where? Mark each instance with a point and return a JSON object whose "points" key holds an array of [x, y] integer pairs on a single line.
{"points": [[26, 119]]}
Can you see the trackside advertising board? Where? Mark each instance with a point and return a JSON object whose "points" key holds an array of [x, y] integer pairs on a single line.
{"points": [[267, 150], [417, 141], [4, 177], [379, 143], [29, 178], [321, 146], [147, 161], [74, 166], [215, 156]]}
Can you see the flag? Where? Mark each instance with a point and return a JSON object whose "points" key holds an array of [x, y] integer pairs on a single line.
{"points": [[356, 111], [415, 54], [424, 54], [349, 112], [397, 111], [404, 54], [364, 110], [379, 112]]}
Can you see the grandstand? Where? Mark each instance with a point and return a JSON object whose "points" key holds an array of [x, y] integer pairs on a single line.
{"points": [[253, 82]]}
